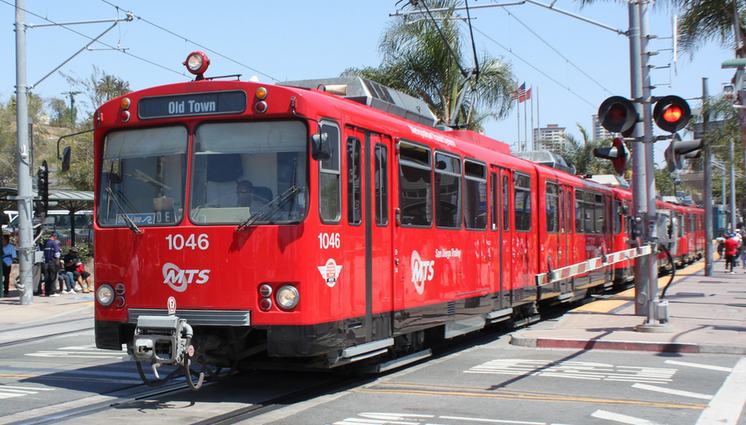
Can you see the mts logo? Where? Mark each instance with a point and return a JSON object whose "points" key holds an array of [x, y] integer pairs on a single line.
{"points": [[422, 271], [178, 278]]}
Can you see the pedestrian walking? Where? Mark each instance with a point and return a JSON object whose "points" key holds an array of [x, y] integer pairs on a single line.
{"points": [[731, 247], [9, 255]]}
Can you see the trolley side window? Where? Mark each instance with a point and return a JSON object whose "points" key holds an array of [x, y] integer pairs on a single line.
{"points": [[506, 204], [475, 200], [579, 211], [329, 174], [522, 200], [447, 190], [493, 195], [354, 203], [618, 214], [600, 214], [415, 185], [382, 185], [552, 207]]}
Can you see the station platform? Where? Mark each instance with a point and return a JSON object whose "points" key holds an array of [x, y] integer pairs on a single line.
{"points": [[707, 314]]}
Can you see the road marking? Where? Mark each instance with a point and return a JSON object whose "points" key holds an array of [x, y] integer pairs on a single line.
{"points": [[380, 418], [618, 417], [672, 391], [81, 352], [725, 408], [12, 391], [700, 365], [575, 370], [480, 392]]}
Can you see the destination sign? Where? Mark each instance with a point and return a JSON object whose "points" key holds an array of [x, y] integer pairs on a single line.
{"points": [[228, 102]]}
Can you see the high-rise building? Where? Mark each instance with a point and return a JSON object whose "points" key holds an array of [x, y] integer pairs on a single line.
{"points": [[551, 137], [599, 133]]}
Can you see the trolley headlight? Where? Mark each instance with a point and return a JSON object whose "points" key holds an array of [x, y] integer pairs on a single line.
{"points": [[105, 295], [287, 297]]}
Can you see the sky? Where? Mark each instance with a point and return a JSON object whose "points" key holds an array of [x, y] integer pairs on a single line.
{"points": [[573, 65]]}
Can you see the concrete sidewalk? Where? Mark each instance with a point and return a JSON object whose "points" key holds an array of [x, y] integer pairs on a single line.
{"points": [[43, 311], [707, 315]]}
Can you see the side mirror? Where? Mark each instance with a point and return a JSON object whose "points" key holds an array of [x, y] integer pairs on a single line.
{"points": [[66, 154], [319, 148]]}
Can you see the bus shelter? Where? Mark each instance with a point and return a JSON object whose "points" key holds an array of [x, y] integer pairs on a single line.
{"points": [[71, 201]]}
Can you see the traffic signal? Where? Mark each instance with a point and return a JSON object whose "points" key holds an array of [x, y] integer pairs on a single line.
{"points": [[678, 149], [617, 153], [43, 186], [617, 114], [671, 113]]}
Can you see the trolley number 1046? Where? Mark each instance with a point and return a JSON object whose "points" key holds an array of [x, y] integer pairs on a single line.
{"points": [[328, 240], [179, 242]]}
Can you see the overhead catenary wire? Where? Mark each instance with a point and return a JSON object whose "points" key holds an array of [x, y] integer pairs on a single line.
{"points": [[142, 59], [188, 40], [535, 68], [528, 28]]}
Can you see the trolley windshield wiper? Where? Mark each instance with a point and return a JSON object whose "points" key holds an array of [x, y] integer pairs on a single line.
{"points": [[270, 208], [125, 216]]}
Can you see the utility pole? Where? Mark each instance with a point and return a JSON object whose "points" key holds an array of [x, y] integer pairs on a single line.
{"points": [[639, 200], [25, 195], [657, 314], [732, 185], [72, 95], [707, 180]]}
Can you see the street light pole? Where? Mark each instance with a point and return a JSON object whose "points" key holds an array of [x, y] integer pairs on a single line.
{"points": [[25, 191]]}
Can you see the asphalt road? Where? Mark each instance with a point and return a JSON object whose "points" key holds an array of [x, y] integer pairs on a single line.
{"points": [[487, 381]]}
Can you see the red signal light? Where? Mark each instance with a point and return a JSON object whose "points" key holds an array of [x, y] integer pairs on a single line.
{"points": [[673, 114]]}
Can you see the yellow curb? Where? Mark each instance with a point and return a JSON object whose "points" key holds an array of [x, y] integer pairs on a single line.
{"points": [[622, 298]]}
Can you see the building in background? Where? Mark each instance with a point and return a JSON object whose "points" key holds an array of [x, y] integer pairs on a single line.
{"points": [[599, 133], [551, 137]]}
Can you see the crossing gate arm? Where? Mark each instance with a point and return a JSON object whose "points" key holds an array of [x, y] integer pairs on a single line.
{"points": [[589, 265]]}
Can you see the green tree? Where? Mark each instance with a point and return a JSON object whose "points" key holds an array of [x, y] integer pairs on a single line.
{"points": [[664, 184], [99, 87], [579, 153], [60, 113], [418, 61]]}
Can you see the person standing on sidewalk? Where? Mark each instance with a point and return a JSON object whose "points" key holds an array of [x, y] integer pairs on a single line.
{"points": [[9, 254], [52, 253], [731, 246]]}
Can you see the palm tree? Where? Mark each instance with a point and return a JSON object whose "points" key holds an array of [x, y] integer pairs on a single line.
{"points": [[579, 153], [705, 20], [425, 59]]}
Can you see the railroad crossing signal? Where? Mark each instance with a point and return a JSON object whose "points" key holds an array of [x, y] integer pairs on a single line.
{"points": [[43, 186], [671, 113], [617, 153], [678, 149], [617, 114]]}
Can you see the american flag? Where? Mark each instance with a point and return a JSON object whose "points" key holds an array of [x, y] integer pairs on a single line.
{"points": [[521, 94]]}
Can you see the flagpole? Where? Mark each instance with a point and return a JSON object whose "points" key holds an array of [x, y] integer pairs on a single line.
{"points": [[538, 120], [533, 139], [518, 109], [525, 121]]}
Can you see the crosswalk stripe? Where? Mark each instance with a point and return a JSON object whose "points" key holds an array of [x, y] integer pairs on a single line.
{"points": [[10, 395], [617, 417], [672, 391], [3, 387]]}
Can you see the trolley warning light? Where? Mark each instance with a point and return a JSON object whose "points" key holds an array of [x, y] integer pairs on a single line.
{"points": [[197, 63], [617, 153], [617, 114], [671, 113]]}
